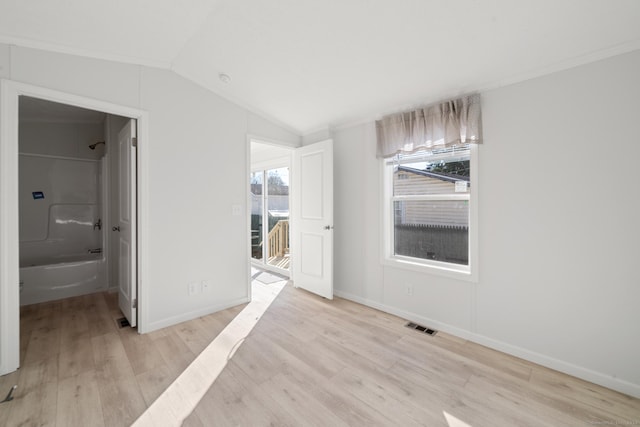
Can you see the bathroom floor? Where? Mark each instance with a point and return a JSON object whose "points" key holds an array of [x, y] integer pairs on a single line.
{"points": [[80, 368]]}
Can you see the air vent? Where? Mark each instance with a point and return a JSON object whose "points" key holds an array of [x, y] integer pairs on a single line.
{"points": [[122, 322], [421, 328]]}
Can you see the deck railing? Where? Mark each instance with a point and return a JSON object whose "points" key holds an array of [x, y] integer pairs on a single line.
{"points": [[278, 239]]}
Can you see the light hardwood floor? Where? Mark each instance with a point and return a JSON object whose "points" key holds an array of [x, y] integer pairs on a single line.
{"points": [[311, 361], [79, 369], [308, 361]]}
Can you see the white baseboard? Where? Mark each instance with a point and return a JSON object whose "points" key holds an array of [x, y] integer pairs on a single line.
{"points": [[190, 315], [595, 377], [453, 330], [586, 374]]}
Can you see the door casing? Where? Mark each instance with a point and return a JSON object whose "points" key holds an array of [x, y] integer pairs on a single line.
{"points": [[249, 169]]}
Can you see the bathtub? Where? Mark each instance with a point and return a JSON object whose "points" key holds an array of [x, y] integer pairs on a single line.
{"points": [[61, 205], [61, 277]]}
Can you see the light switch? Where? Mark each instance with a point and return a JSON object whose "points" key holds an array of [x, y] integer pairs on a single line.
{"points": [[194, 288]]}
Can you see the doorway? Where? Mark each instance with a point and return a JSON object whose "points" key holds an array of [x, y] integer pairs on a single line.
{"points": [[63, 201], [11, 94], [269, 200], [310, 211]]}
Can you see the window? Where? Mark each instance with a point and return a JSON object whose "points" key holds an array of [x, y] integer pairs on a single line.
{"points": [[428, 209]]}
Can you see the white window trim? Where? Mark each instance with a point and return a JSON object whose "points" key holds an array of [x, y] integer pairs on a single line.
{"points": [[461, 272]]}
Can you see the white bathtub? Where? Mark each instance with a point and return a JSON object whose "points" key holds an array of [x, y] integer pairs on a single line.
{"points": [[70, 276]]}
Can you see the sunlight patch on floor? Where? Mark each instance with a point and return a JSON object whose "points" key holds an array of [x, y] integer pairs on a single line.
{"points": [[182, 396], [453, 421]]}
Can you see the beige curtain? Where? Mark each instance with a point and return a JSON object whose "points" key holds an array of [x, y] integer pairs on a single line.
{"points": [[449, 123]]}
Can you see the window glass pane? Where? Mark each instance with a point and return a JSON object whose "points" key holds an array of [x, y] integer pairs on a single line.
{"points": [[433, 230], [278, 211], [445, 171], [256, 214]]}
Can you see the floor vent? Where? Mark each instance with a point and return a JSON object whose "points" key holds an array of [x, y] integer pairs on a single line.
{"points": [[421, 328], [122, 322]]}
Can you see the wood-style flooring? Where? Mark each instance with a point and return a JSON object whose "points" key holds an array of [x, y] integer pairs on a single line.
{"points": [[308, 361], [78, 368]]}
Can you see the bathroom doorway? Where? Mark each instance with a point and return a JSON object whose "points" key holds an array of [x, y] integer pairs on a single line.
{"points": [[70, 225], [63, 194], [76, 172]]}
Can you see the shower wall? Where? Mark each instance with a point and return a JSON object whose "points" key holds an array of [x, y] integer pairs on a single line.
{"points": [[64, 139], [60, 184]]}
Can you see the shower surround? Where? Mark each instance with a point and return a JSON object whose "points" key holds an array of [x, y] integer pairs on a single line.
{"points": [[61, 232]]}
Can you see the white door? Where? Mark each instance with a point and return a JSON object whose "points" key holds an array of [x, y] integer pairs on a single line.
{"points": [[312, 218], [126, 228]]}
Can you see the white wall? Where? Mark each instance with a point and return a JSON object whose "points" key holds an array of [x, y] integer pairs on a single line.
{"points": [[269, 155], [197, 170], [200, 158], [66, 139], [61, 180], [559, 230], [60, 223], [261, 127], [5, 61]]}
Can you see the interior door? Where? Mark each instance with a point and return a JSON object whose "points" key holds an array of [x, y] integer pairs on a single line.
{"points": [[126, 228], [312, 218]]}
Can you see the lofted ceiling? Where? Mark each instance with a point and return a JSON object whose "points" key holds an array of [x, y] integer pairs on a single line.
{"points": [[317, 64]]}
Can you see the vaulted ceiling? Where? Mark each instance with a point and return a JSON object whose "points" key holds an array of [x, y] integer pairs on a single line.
{"points": [[312, 64]]}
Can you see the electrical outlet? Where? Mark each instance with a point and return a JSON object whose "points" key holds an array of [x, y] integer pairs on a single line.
{"points": [[206, 286], [194, 288], [409, 290], [236, 210]]}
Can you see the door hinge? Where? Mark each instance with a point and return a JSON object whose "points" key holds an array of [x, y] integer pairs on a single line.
{"points": [[135, 303], [134, 141]]}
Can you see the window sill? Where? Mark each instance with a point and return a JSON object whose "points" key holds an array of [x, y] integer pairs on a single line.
{"points": [[463, 273]]}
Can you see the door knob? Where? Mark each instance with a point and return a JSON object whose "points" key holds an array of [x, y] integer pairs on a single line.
{"points": [[328, 227], [116, 228]]}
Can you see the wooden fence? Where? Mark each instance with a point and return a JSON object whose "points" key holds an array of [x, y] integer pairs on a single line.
{"points": [[436, 242]]}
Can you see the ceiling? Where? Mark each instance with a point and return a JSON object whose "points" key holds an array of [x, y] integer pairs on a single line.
{"points": [[317, 64]]}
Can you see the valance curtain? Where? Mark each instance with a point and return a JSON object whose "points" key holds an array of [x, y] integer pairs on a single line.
{"points": [[453, 122]]}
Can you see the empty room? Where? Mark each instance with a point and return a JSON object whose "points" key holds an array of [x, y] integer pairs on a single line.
{"points": [[394, 213]]}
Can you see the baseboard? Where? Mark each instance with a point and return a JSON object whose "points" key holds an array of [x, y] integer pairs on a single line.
{"points": [[190, 315], [586, 374], [434, 324], [595, 377]]}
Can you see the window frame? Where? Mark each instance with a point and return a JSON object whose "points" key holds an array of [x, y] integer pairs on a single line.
{"points": [[462, 272]]}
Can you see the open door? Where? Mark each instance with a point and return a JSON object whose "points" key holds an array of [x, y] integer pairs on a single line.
{"points": [[128, 289], [312, 218]]}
